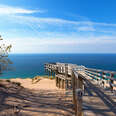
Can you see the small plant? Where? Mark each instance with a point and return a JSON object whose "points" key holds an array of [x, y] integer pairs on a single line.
{"points": [[1, 80], [17, 83], [8, 81]]}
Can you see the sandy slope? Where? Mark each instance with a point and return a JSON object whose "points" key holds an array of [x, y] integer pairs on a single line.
{"points": [[40, 99], [45, 84]]}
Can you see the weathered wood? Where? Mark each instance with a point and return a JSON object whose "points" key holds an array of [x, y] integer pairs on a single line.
{"points": [[66, 83], [62, 75], [56, 81], [111, 81], [48, 73], [62, 83], [79, 88], [73, 87], [95, 74], [77, 85], [66, 70], [66, 76], [103, 78], [51, 74]]}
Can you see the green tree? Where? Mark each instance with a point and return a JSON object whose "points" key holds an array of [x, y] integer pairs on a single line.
{"points": [[4, 60]]}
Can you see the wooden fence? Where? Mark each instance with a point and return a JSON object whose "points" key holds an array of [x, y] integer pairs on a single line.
{"points": [[71, 76]]}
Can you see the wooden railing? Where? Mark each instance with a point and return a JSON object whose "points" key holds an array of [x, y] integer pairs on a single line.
{"points": [[78, 90], [106, 79], [75, 75]]}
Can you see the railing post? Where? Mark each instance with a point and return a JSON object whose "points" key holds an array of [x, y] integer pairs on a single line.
{"points": [[79, 94], [77, 86], [56, 81], [59, 83], [51, 74], [66, 76], [56, 77], [62, 84], [73, 87], [111, 81], [103, 83]]}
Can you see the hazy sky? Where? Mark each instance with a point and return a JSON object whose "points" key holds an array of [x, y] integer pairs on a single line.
{"points": [[59, 26]]}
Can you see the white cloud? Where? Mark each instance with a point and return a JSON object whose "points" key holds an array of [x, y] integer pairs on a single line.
{"points": [[45, 20], [32, 45], [53, 34], [6, 10], [62, 44], [50, 22], [86, 28], [63, 24]]}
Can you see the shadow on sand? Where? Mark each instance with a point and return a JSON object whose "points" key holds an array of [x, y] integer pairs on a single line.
{"points": [[101, 103], [18, 101]]}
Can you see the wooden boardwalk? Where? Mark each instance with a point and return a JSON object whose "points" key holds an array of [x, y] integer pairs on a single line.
{"points": [[97, 101], [93, 91]]}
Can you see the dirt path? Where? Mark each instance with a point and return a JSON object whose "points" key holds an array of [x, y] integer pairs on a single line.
{"points": [[41, 99]]}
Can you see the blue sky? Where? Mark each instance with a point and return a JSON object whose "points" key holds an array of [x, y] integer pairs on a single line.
{"points": [[59, 26]]}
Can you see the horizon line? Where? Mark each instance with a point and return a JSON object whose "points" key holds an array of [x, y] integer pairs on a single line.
{"points": [[62, 53]]}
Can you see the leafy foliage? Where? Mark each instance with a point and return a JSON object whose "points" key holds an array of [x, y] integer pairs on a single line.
{"points": [[4, 60]]}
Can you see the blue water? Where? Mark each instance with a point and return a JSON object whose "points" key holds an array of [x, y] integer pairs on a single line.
{"points": [[30, 65]]}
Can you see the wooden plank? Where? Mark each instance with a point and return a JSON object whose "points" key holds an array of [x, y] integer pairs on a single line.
{"points": [[111, 82], [77, 84], [79, 96]]}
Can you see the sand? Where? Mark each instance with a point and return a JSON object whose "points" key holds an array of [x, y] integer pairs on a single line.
{"points": [[40, 99], [43, 84]]}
